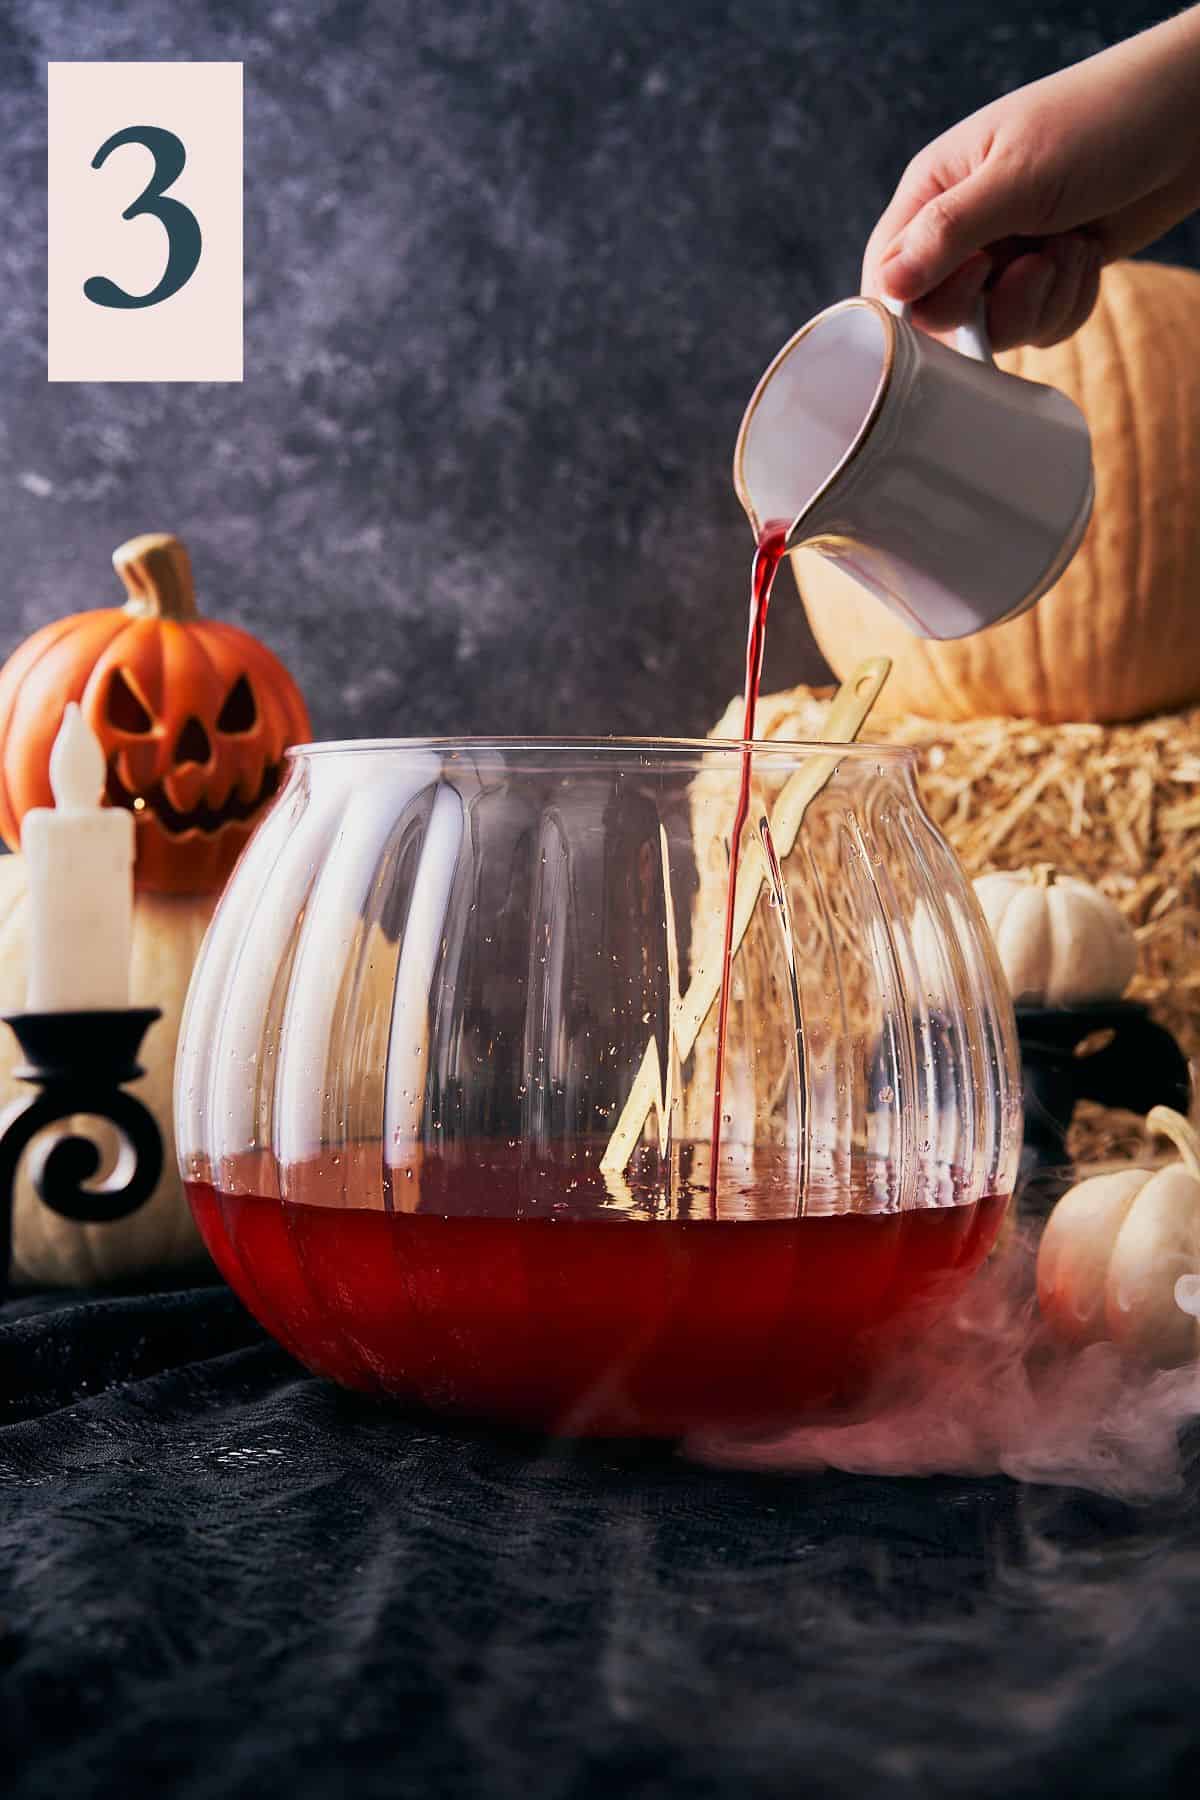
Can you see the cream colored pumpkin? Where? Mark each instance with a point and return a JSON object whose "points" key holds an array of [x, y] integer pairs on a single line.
{"points": [[1061, 942], [1116, 638], [160, 1237], [1119, 1259]]}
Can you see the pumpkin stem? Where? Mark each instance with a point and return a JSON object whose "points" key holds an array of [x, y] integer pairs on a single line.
{"points": [[1044, 875], [1166, 1123], [157, 573]]}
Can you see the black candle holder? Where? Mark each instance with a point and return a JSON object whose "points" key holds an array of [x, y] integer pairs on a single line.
{"points": [[80, 1061], [1138, 1066]]}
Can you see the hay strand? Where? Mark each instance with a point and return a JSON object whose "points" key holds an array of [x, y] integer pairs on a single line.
{"points": [[1118, 805]]}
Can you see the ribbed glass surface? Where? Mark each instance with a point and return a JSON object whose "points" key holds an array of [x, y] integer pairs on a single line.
{"points": [[462, 951]]}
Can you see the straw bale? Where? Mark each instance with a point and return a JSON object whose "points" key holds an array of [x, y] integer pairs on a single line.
{"points": [[1118, 805]]}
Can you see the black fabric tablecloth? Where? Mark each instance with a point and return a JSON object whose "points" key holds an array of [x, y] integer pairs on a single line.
{"points": [[222, 1577]]}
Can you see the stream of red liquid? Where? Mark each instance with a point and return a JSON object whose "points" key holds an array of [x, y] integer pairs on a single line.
{"points": [[771, 549]]}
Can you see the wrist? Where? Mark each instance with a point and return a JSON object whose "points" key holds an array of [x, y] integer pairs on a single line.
{"points": [[1169, 58]]}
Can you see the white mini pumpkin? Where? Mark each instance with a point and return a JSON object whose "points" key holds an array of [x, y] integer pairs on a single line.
{"points": [[1119, 1260], [160, 1237], [1061, 941]]}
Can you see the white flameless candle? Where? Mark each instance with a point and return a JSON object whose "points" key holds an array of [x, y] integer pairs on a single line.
{"points": [[80, 860]]}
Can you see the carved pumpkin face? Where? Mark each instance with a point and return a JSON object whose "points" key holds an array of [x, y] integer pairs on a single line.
{"points": [[193, 716]]}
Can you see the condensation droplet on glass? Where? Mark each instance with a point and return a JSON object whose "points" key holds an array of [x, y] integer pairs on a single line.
{"points": [[886, 1095]]}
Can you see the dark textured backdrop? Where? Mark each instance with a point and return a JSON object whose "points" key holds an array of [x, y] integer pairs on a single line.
{"points": [[512, 269]]}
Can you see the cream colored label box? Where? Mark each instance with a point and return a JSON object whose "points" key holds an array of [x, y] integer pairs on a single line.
{"points": [[194, 333]]}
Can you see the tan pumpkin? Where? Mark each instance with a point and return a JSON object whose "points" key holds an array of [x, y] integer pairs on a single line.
{"points": [[1117, 637], [160, 1237]]}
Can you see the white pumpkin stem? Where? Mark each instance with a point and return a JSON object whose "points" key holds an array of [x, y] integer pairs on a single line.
{"points": [[1166, 1123], [157, 573], [1044, 875]]}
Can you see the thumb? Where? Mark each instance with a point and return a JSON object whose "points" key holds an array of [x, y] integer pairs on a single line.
{"points": [[954, 223]]}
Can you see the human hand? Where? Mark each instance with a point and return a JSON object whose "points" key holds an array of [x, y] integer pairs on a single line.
{"points": [[1031, 196]]}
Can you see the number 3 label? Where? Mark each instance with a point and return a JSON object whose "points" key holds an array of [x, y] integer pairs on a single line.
{"points": [[144, 253], [179, 223]]}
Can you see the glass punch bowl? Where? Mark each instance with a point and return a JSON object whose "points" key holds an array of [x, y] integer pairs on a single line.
{"points": [[444, 1095]]}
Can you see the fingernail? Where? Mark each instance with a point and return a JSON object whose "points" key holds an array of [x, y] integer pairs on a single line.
{"points": [[895, 273]]}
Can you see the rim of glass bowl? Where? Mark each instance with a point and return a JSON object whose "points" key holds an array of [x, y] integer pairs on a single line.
{"points": [[775, 748]]}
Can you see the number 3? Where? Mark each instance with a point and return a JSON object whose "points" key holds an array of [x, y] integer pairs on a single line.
{"points": [[180, 225]]}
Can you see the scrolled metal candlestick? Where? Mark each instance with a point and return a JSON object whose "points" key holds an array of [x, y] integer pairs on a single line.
{"points": [[81, 1061]]}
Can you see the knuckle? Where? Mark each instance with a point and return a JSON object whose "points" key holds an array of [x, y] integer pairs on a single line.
{"points": [[920, 168], [1027, 156], [938, 219]]}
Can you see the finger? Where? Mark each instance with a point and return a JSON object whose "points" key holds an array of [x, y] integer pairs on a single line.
{"points": [[1018, 300], [955, 300], [1089, 293], [1075, 258], [1045, 295], [952, 225], [921, 182]]}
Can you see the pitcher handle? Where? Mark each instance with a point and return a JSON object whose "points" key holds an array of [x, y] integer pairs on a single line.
{"points": [[970, 340]]}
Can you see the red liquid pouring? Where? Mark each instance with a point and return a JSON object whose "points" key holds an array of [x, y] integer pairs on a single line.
{"points": [[486, 1298], [772, 547]]}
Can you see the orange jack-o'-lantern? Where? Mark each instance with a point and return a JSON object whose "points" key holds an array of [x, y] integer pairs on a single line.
{"points": [[193, 715]]}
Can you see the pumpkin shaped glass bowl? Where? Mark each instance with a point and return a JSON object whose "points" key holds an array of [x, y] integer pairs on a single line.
{"points": [[437, 977]]}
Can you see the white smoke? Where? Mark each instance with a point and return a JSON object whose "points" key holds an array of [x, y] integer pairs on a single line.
{"points": [[988, 1391]]}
